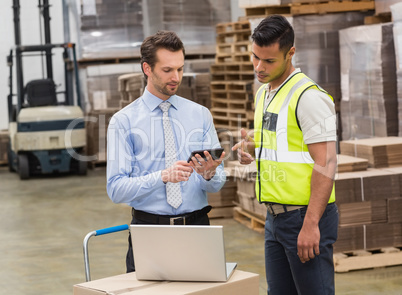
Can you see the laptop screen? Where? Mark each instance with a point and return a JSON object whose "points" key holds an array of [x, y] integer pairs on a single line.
{"points": [[179, 253]]}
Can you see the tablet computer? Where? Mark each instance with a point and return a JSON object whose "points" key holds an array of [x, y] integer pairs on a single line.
{"points": [[215, 153]]}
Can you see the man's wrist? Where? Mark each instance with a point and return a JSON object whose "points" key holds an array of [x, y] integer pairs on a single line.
{"points": [[164, 176], [209, 175]]}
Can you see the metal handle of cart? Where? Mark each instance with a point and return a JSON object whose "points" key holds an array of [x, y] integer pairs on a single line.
{"points": [[98, 232]]}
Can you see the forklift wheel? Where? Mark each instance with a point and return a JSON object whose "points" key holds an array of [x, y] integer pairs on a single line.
{"points": [[82, 167], [23, 166], [10, 158]]}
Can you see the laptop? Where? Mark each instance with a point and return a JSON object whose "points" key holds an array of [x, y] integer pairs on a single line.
{"points": [[180, 253]]}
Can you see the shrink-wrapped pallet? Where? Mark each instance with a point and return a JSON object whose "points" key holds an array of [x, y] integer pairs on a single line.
{"points": [[368, 82], [116, 28], [396, 11]]}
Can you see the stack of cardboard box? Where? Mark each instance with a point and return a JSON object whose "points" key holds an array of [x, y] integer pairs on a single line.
{"points": [[379, 151], [222, 202], [195, 87], [130, 86], [4, 141], [96, 126], [369, 200]]}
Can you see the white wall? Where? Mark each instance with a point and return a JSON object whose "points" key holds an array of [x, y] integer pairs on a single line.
{"points": [[30, 35]]}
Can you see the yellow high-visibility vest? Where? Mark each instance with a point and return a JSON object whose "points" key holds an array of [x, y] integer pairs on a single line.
{"points": [[284, 163]]}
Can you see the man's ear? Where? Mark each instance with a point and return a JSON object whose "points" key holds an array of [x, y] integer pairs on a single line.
{"points": [[291, 52], [146, 68]]}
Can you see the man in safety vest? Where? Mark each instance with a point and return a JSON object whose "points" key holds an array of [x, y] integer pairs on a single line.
{"points": [[294, 145]]}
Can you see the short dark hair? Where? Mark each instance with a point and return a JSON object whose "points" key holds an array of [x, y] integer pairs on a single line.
{"points": [[162, 39], [274, 28]]}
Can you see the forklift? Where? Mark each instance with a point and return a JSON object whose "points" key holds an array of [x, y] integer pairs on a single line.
{"points": [[47, 136]]}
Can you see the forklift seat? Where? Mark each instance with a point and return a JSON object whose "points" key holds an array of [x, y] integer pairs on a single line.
{"points": [[41, 93]]}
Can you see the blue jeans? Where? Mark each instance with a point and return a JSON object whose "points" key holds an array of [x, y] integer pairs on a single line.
{"points": [[285, 273]]}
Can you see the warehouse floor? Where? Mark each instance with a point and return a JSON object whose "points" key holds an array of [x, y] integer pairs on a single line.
{"points": [[44, 221]]}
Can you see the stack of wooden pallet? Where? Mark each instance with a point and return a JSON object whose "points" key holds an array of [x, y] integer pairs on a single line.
{"points": [[248, 211], [232, 77]]}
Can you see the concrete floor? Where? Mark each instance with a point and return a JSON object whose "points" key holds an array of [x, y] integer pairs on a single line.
{"points": [[44, 220]]}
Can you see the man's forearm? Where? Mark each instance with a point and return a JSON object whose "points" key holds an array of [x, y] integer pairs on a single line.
{"points": [[321, 188]]}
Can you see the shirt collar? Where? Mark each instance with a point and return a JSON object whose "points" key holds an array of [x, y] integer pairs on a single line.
{"points": [[297, 70], [152, 101]]}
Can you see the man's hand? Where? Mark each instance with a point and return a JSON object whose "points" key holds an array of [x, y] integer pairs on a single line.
{"points": [[245, 148], [206, 168], [308, 242], [179, 171], [322, 180]]}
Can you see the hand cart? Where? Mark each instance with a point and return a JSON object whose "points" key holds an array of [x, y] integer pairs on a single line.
{"points": [[98, 232]]}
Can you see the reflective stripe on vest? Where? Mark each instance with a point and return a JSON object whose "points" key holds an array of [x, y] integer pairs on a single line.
{"points": [[283, 161]]}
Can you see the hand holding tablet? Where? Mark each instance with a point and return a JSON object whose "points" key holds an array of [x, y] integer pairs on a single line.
{"points": [[215, 153]]}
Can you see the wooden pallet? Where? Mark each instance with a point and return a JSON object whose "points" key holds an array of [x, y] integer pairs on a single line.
{"points": [[232, 86], [233, 36], [233, 26], [232, 104], [233, 57], [237, 115], [311, 8], [378, 19], [229, 125], [366, 259], [255, 222], [230, 48], [232, 68], [234, 96], [239, 76]]}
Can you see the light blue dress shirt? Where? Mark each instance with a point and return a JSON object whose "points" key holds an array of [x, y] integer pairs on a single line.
{"points": [[136, 154]]}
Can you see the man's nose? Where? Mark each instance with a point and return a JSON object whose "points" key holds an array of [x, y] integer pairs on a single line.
{"points": [[176, 76], [260, 66]]}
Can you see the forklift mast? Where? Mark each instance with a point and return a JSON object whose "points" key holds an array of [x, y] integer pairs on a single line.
{"points": [[45, 49]]}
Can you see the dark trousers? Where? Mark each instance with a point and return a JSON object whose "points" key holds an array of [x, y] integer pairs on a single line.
{"points": [[285, 273], [200, 220]]}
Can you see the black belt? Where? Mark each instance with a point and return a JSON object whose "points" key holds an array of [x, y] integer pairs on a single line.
{"points": [[275, 209], [187, 218]]}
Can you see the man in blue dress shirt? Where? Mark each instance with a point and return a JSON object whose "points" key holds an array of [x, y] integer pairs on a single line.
{"points": [[136, 170]]}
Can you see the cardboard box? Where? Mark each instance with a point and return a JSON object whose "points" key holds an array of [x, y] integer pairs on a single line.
{"points": [[127, 284]]}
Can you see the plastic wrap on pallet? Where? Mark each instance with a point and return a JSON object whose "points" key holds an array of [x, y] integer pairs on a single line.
{"points": [[368, 74], [383, 6], [194, 21], [111, 28], [317, 47], [396, 11]]}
